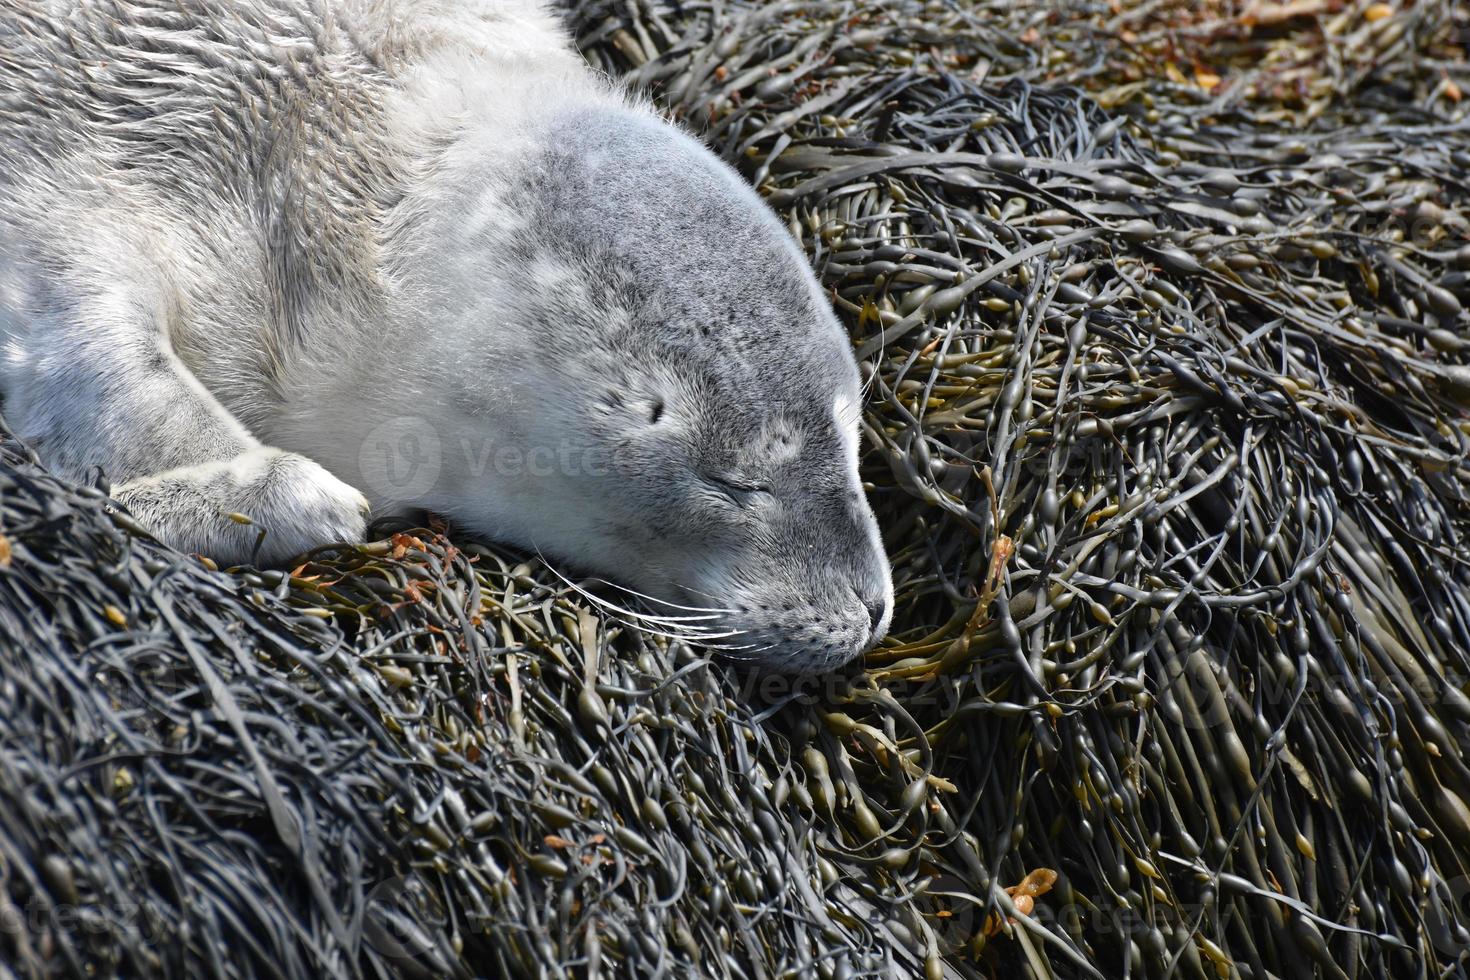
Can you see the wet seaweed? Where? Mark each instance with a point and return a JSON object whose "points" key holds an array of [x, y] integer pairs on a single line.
{"points": [[1167, 425]]}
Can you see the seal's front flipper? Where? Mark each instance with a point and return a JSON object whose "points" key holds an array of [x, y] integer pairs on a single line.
{"points": [[221, 508], [103, 389]]}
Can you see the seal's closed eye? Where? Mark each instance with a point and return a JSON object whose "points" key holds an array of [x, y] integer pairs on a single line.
{"points": [[737, 488]]}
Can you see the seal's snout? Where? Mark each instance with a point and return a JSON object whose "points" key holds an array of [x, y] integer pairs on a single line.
{"points": [[813, 617], [875, 596]]}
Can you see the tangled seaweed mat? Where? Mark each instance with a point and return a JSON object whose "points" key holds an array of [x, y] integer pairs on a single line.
{"points": [[1167, 430]]}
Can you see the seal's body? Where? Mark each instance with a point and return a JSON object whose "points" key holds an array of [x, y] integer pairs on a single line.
{"points": [[258, 255]]}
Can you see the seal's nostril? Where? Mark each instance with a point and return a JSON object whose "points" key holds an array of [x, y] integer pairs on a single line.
{"points": [[877, 609]]}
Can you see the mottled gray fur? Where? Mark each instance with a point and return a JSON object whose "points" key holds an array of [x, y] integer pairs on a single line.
{"points": [[258, 255]]}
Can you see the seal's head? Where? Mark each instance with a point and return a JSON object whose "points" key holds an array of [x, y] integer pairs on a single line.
{"points": [[663, 351]]}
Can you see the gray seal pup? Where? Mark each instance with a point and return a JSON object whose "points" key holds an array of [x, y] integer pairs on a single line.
{"points": [[301, 260]]}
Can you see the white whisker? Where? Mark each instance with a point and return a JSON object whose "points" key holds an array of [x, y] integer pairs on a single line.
{"points": [[700, 628], [724, 647], [666, 602], [671, 621]]}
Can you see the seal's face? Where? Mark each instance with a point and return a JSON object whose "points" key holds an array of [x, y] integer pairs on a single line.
{"points": [[669, 339], [747, 501]]}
